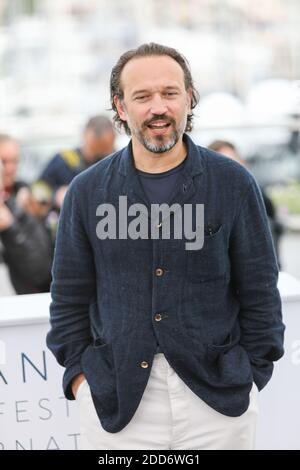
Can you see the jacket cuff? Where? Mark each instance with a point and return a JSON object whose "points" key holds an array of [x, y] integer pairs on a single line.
{"points": [[68, 377]]}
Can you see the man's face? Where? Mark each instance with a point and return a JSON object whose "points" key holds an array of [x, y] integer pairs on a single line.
{"points": [[156, 103], [9, 156], [96, 147]]}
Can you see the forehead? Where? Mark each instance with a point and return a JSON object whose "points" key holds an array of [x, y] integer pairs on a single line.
{"points": [[9, 150], [151, 71]]}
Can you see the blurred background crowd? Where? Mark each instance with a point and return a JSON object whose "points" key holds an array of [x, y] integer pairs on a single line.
{"points": [[55, 62]]}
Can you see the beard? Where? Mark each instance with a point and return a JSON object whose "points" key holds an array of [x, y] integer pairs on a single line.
{"points": [[160, 146], [160, 143]]}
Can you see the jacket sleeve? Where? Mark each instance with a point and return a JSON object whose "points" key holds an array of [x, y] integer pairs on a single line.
{"points": [[28, 249], [255, 276], [72, 290]]}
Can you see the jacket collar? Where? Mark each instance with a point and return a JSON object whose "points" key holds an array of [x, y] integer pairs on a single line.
{"points": [[192, 167], [133, 187]]}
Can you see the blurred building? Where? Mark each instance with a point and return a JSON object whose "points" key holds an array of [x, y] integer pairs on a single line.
{"points": [[56, 57]]}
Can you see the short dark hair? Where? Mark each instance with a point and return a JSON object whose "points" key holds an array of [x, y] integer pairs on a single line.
{"points": [[99, 124], [151, 49]]}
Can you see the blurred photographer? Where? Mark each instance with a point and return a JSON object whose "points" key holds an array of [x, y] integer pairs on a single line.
{"points": [[229, 150], [25, 241]]}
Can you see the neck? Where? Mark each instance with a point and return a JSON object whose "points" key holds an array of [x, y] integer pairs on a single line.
{"points": [[157, 162]]}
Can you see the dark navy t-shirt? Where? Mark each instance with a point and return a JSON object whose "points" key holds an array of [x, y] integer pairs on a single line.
{"points": [[158, 187]]}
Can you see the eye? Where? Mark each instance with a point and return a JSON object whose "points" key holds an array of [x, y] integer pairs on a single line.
{"points": [[141, 98], [171, 93]]}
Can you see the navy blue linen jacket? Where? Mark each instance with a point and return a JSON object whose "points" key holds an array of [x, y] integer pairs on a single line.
{"points": [[220, 317]]}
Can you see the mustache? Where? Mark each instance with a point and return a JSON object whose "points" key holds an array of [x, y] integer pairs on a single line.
{"points": [[159, 117]]}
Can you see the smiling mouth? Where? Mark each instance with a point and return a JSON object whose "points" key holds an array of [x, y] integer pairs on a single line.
{"points": [[159, 125]]}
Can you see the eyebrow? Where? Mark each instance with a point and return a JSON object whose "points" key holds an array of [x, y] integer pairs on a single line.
{"points": [[169, 87]]}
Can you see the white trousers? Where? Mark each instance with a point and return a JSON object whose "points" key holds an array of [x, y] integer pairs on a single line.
{"points": [[169, 416]]}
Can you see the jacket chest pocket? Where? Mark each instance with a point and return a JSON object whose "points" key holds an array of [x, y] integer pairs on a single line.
{"points": [[208, 263]]}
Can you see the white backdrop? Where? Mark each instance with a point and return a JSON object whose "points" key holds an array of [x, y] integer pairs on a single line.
{"points": [[33, 411], [35, 415]]}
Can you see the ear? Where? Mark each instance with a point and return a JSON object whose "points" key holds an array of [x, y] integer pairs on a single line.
{"points": [[119, 104]]}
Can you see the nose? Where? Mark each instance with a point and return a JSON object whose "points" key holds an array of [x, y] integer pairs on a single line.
{"points": [[158, 105]]}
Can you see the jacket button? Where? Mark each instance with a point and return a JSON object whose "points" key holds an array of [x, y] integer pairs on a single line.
{"points": [[159, 272], [144, 365], [158, 317]]}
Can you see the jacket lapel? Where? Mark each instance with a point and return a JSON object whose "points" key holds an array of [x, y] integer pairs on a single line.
{"points": [[132, 188]]}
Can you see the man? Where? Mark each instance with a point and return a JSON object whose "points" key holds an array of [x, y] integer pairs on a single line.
{"points": [[9, 157], [227, 148], [162, 343], [98, 142], [26, 245]]}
